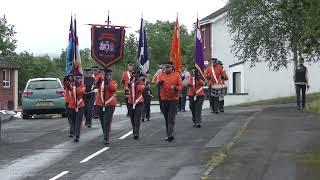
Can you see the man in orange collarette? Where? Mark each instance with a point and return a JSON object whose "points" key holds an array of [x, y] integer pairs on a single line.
{"points": [[196, 97], [67, 97], [107, 88], [224, 78], [213, 74], [126, 76], [135, 100], [170, 85], [76, 104]]}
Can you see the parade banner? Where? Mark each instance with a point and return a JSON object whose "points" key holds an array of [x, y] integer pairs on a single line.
{"points": [[107, 44]]}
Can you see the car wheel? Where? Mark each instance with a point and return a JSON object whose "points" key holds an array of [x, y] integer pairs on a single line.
{"points": [[25, 115]]}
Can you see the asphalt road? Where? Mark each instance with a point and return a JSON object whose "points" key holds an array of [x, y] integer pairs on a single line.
{"points": [[41, 149], [275, 143]]}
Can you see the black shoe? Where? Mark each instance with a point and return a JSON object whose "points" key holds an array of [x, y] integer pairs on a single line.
{"points": [[198, 126], [71, 136], [142, 120], [221, 110], [89, 126], [194, 125], [76, 139], [106, 142], [170, 139], [136, 137], [216, 112]]}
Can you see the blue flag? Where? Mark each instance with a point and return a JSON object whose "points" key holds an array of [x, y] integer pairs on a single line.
{"points": [[143, 58], [70, 49]]}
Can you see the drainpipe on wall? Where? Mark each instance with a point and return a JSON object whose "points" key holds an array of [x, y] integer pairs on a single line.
{"points": [[15, 93]]}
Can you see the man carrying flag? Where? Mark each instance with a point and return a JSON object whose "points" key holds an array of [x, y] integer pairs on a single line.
{"points": [[74, 85], [69, 76], [196, 93]]}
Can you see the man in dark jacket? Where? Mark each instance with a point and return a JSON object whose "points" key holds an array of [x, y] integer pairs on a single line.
{"points": [[301, 83]]}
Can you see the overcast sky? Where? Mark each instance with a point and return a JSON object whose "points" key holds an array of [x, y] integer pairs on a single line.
{"points": [[42, 26]]}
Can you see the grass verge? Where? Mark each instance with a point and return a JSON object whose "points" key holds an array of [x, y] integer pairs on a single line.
{"points": [[314, 106]]}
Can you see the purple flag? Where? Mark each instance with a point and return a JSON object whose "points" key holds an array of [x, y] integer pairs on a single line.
{"points": [[199, 62]]}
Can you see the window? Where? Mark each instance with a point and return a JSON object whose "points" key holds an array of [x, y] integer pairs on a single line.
{"points": [[6, 78], [203, 34], [236, 82], [44, 84]]}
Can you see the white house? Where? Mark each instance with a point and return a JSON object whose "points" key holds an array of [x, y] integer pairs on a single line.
{"points": [[248, 84]]}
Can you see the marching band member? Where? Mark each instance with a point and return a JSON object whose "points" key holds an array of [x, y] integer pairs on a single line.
{"points": [[183, 98], [135, 101], [213, 74], [154, 79], [67, 97], [76, 105], [147, 96], [196, 97], [97, 75], [224, 78], [170, 84], [89, 97], [100, 99], [126, 76], [110, 102]]}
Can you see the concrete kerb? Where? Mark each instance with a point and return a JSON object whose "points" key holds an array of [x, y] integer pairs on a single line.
{"points": [[218, 157], [5, 118]]}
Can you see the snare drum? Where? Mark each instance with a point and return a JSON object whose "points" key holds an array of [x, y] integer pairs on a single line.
{"points": [[218, 89]]}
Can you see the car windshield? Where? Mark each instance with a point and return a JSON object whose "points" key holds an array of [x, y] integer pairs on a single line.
{"points": [[44, 84]]}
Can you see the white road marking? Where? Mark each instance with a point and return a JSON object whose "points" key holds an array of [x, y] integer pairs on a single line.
{"points": [[60, 175], [94, 154], [126, 135]]}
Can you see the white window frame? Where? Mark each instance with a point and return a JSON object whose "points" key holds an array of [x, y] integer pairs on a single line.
{"points": [[6, 78], [204, 38]]}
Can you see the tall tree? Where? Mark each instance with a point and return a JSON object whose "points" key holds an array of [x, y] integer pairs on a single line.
{"points": [[274, 31], [7, 41]]}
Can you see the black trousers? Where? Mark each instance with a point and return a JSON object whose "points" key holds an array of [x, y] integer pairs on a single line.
{"points": [[183, 99], [221, 105], [169, 112], [146, 109], [88, 109], [127, 104], [159, 97], [105, 118], [214, 102], [135, 117], [69, 118], [196, 108], [76, 120], [301, 91]]}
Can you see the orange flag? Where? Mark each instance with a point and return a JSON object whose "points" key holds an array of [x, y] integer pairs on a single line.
{"points": [[175, 55]]}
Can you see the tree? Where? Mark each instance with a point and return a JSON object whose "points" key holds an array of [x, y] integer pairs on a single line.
{"points": [[7, 41], [274, 31]]}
